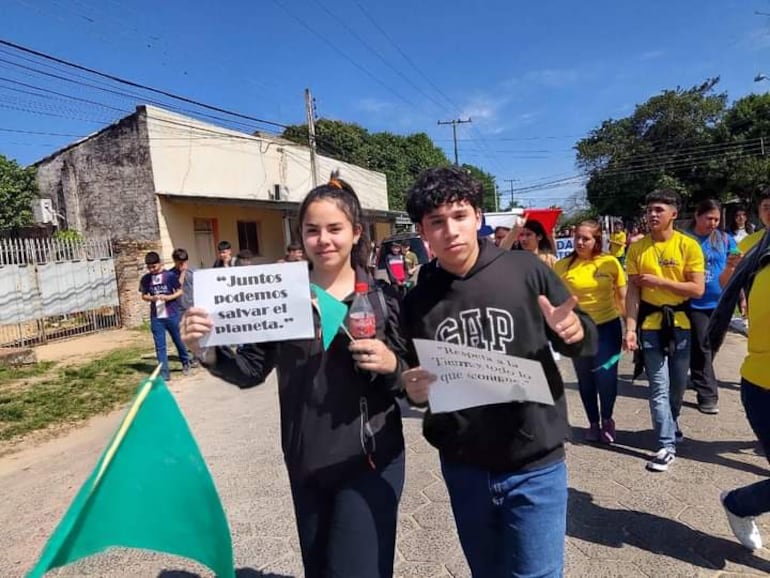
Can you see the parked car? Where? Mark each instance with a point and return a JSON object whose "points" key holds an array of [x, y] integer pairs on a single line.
{"points": [[415, 244]]}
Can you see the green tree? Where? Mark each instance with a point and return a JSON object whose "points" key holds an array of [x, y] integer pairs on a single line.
{"points": [[671, 138], [488, 182], [744, 131], [401, 158], [18, 189]]}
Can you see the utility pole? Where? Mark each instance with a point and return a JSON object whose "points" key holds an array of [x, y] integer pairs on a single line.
{"points": [[454, 124], [310, 114], [510, 182]]}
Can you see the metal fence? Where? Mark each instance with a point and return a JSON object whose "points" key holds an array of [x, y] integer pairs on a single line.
{"points": [[53, 289]]}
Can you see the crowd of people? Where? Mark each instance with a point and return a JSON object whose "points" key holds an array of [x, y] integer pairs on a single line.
{"points": [[170, 294], [656, 294]]}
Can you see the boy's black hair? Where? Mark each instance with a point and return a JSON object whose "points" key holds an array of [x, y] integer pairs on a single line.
{"points": [[151, 258], [665, 196], [223, 245], [293, 247], [180, 255], [763, 194], [439, 186], [244, 254]]}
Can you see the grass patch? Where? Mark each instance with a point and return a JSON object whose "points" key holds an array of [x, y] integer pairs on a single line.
{"points": [[70, 394], [15, 373]]}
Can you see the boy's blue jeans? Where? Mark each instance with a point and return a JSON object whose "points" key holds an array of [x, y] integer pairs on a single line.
{"points": [[754, 500], [510, 524], [159, 328], [667, 375]]}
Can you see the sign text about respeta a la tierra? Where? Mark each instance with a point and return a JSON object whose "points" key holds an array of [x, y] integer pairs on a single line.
{"points": [[255, 304], [470, 377]]}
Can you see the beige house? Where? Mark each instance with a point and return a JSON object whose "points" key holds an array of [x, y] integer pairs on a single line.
{"points": [[158, 180], [219, 184]]}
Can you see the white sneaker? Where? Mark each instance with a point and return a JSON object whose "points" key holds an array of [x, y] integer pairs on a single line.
{"points": [[744, 528], [661, 460]]}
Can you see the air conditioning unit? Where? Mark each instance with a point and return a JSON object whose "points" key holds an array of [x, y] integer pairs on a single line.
{"points": [[42, 211], [279, 193]]}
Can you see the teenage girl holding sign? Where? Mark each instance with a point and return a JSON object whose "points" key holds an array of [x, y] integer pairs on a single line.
{"points": [[340, 422]]}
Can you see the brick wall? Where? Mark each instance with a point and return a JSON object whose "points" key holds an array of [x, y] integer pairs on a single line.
{"points": [[129, 268]]}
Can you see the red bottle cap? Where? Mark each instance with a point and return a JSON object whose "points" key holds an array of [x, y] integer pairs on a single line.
{"points": [[362, 287]]}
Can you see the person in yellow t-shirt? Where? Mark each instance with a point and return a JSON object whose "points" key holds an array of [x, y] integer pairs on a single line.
{"points": [[618, 242], [599, 283], [665, 270], [743, 504], [763, 209]]}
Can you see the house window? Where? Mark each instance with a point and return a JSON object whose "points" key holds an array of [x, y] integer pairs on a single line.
{"points": [[248, 236]]}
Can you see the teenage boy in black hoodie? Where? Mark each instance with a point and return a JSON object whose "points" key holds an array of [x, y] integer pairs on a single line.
{"points": [[503, 464]]}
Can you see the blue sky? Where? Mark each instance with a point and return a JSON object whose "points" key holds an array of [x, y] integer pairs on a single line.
{"points": [[534, 77]]}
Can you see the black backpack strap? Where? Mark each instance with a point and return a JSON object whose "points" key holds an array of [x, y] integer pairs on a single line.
{"points": [[377, 301]]}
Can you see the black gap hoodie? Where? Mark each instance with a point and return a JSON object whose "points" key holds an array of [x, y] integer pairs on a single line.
{"points": [[495, 307], [336, 420]]}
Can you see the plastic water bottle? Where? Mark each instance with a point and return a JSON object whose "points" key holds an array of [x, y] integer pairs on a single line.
{"points": [[361, 320]]}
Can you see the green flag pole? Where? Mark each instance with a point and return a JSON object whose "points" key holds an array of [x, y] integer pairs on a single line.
{"points": [[127, 421], [151, 489]]}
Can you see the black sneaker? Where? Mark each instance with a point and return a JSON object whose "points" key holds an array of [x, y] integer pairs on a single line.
{"points": [[661, 461], [185, 369], [708, 407]]}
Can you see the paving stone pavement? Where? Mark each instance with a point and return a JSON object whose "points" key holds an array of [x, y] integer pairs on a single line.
{"points": [[623, 521]]}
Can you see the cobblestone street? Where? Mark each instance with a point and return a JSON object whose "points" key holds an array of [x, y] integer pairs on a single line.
{"points": [[623, 520]]}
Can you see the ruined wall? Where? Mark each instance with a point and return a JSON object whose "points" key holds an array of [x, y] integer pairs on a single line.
{"points": [[103, 186]]}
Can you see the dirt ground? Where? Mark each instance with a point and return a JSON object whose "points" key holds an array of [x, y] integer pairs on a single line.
{"points": [[75, 351], [84, 348]]}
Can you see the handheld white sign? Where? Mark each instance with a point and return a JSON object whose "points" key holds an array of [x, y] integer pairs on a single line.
{"points": [[470, 377], [255, 304], [564, 246]]}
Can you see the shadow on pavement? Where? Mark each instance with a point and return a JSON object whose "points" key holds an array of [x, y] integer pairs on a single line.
{"points": [[239, 573], [617, 527], [709, 452]]}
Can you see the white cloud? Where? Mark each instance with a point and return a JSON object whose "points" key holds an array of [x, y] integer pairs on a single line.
{"points": [[757, 39], [483, 108], [373, 105], [554, 77], [651, 55]]}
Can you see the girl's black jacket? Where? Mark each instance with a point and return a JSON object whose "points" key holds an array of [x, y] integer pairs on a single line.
{"points": [[335, 419]]}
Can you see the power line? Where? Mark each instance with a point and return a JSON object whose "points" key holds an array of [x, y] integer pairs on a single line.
{"points": [[341, 53], [139, 85]]}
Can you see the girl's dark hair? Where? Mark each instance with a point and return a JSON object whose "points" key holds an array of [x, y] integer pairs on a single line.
{"points": [[440, 186], [544, 243], [733, 228], [707, 205], [716, 238], [346, 199], [596, 233]]}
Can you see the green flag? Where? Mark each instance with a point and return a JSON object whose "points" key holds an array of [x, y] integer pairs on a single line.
{"points": [[332, 313], [609, 363], [150, 489]]}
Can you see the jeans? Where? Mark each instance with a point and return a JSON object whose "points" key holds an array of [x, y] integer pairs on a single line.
{"points": [[702, 375], [159, 328], [593, 381], [754, 499], [510, 524], [350, 530], [667, 375]]}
